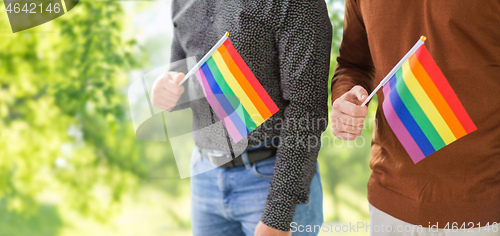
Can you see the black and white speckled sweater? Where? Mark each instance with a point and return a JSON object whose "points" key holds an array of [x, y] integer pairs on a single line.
{"points": [[287, 45]]}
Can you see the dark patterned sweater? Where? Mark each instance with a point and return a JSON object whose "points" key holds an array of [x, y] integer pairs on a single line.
{"points": [[287, 45]]}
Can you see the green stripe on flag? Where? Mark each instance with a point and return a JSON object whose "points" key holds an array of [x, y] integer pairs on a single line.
{"points": [[417, 112], [243, 114]]}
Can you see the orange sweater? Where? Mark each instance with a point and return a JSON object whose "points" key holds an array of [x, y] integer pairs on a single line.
{"points": [[460, 182]]}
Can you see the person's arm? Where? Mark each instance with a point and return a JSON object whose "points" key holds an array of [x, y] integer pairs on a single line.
{"points": [[166, 93], [353, 77], [303, 39], [354, 63]]}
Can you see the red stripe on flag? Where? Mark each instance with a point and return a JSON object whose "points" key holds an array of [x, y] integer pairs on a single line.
{"points": [[444, 87], [243, 82], [251, 77]]}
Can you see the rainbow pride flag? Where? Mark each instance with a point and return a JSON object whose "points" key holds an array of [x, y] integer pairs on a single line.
{"points": [[236, 96], [422, 109]]}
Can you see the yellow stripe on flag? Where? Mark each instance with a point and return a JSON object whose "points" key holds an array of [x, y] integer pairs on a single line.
{"points": [[426, 104], [64, 6], [238, 91]]}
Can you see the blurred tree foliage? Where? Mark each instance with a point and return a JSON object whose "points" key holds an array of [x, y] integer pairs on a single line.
{"points": [[336, 13], [62, 112], [344, 164]]}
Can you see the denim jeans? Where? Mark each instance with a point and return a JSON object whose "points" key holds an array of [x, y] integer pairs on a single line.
{"points": [[230, 201]]}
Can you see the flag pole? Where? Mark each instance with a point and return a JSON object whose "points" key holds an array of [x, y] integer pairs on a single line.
{"points": [[417, 45], [205, 58]]}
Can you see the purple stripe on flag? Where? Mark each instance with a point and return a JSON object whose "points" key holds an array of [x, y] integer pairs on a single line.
{"points": [[399, 129], [214, 103]]}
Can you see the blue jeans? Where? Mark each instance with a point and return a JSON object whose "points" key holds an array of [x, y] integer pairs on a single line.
{"points": [[230, 201]]}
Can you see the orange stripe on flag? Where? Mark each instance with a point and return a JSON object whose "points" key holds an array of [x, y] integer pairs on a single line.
{"points": [[436, 97], [251, 77], [432, 69], [245, 85]]}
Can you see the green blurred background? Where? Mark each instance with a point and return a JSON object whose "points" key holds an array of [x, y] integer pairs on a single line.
{"points": [[70, 163]]}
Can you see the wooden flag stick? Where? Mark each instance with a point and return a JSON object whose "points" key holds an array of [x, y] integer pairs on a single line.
{"points": [[205, 58], [415, 47]]}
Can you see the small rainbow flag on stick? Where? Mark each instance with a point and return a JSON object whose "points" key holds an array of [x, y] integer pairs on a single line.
{"points": [[236, 96], [420, 106]]}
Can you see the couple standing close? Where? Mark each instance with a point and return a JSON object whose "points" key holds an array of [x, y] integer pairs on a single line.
{"points": [[287, 46]]}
